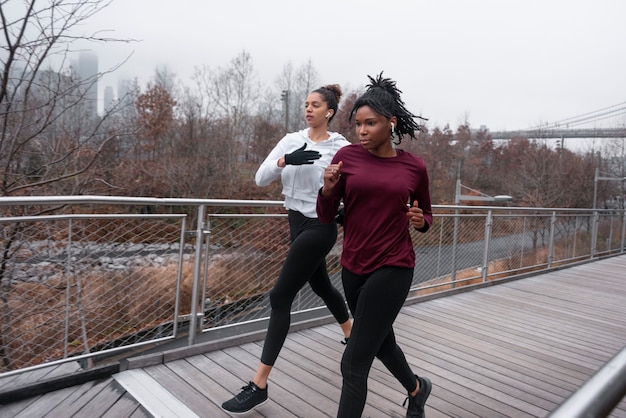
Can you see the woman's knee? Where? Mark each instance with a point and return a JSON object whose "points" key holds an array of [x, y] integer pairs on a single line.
{"points": [[346, 369], [279, 300]]}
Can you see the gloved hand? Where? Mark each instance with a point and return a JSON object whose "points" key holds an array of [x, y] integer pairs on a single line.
{"points": [[341, 216], [300, 156]]}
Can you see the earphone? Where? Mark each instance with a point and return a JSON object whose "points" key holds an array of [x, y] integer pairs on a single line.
{"points": [[328, 114], [393, 127]]}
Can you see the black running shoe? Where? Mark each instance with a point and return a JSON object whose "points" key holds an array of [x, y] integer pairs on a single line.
{"points": [[417, 402], [249, 397]]}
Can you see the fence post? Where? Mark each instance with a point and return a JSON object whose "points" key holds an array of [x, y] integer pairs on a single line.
{"points": [[623, 231], [455, 238], [196, 275], [68, 287], [551, 243], [488, 223], [594, 233], [179, 275], [205, 274]]}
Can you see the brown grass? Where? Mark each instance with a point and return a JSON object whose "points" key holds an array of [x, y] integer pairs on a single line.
{"points": [[107, 305], [497, 269]]}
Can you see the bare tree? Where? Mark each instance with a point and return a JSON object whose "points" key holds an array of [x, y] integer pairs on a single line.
{"points": [[298, 83], [231, 94], [50, 134]]}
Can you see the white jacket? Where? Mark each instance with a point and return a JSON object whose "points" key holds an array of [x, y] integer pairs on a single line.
{"points": [[301, 183]]}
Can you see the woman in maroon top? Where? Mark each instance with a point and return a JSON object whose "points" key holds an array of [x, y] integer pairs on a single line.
{"points": [[385, 192]]}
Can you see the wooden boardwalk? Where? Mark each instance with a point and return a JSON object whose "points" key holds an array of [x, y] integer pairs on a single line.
{"points": [[516, 349]]}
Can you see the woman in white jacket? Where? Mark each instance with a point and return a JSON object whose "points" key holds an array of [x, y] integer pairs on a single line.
{"points": [[299, 160]]}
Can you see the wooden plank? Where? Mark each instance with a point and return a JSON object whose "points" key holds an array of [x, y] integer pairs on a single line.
{"points": [[37, 375], [44, 404], [290, 371], [184, 391], [141, 413], [12, 409], [243, 367], [515, 325], [125, 407], [385, 396], [516, 349], [195, 378], [152, 396], [105, 399], [50, 384], [78, 398], [220, 385]]}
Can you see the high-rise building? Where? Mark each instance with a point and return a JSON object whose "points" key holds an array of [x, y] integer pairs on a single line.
{"points": [[126, 92], [88, 72], [109, 98]]}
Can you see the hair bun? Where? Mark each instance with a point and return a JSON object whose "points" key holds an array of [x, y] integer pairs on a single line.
{"points": [[336, 89]]}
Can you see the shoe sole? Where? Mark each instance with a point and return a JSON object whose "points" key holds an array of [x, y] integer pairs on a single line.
{"points": [[247, 410]]}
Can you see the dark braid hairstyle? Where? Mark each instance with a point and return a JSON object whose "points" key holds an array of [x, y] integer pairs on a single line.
{"points": [[383, 97], [331, 94]]}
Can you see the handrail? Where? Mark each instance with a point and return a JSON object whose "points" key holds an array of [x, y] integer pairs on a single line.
{"points": [[599, 395], [172, 201], [47, 200]]}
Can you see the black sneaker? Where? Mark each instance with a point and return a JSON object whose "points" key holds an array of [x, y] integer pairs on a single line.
{"points": [[417, 402], [249, 397]]}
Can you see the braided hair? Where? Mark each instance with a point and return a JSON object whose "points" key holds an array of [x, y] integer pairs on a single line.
{"points": [[331, 94], [383, 97]]}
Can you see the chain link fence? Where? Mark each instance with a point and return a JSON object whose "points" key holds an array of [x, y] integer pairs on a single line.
{"points": [[76, 286]]}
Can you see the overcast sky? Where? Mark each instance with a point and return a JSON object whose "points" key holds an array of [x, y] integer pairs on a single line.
{"points": [[506, 64]]}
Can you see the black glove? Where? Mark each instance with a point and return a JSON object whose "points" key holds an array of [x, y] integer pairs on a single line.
{"points": [[341, 216], [300, 156]]}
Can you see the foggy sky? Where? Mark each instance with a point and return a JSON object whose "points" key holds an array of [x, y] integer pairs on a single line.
{"points": [[506, 64]]}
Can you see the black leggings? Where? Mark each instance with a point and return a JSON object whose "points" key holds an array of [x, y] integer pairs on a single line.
{"points": [[375, 301], [311, 241]]}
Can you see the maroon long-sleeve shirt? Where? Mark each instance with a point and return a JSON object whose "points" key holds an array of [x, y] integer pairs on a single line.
{"points": [[375, 192]]}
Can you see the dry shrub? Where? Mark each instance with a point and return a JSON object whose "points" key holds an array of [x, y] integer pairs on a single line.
{"points": [[229, 276], [497, 269], [105, 305], [268, 235], [35, 320]]}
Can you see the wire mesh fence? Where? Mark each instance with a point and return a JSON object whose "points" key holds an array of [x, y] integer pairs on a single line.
{"points": [[74, 285], [77, 286]]}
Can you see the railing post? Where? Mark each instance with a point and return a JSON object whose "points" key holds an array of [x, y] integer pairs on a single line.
{"points": [[455, 238], [623, 231], [576, 227], [488, 223], [594, 236], [609, 246], [68, 287], [551, 243], [179, 275], [205, 275], [196, 275]]}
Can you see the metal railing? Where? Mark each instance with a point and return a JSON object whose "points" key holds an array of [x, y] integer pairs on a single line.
{"points": [[89, 276], [599, 395]]}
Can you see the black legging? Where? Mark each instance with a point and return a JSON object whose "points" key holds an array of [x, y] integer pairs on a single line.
{"points": [[375, 301], [311, 241]]}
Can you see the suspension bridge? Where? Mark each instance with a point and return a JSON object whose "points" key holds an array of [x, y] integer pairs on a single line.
{"points": [[608, 122]]}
